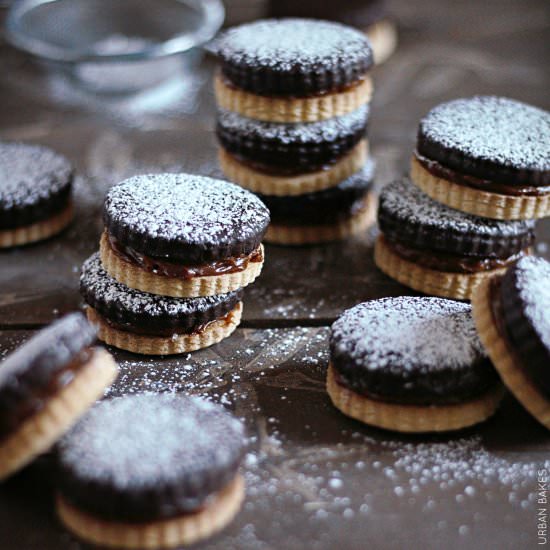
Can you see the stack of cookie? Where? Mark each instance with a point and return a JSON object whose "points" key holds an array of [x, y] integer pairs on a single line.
{"points": [[480, 176], [293, 98], [176, 251]]}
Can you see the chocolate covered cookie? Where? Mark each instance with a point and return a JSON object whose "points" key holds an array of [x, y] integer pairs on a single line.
{"points": [[512, 314], [151, 324], [411, 365], [35, 193], [45, 386], [438, 250], [485, 155], [328, 215], [291, 148], [182, 235], [293, 70], [168, 479]]}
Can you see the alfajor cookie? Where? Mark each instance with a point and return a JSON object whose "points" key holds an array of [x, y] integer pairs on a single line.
{"points": [[489, 156], [35, 193], [512, 315], [169, 479], [182, 235], [45, 386], [151, 324], [411, 365], [437, 250]]}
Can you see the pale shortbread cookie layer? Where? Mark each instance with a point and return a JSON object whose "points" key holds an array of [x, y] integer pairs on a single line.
{"points": [[136, 277], [183, 530], [317, 234], [213, 332], [382, 36], [60, 412], [282, 186], [412, 418], [459, 286], [37, 231], [477, 202], [503, 359], [292, 109]]}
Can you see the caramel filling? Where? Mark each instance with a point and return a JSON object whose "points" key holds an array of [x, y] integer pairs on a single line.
{"points": [[440, 171], [450, 263], [233, 264], [36, 397]]}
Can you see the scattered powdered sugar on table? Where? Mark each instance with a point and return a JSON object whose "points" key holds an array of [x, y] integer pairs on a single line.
{"points": [[313, 132], [492, 128], [30, 173], [431, 332]]}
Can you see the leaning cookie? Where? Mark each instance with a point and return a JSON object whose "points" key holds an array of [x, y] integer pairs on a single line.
{"points": [[167, 479], [35, 193], [183, 236], [333, 214], [45, 386], [489, 156], [512, 315], [293, 70], [437, 250], [151, 324], [411, 365]]}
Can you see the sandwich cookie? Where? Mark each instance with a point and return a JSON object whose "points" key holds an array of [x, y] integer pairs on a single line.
{"points": [[329, 215], [151, 324], [512, 314], [182, 235], [411, 365], [150, 471], [441, 251], [293, 70], [489, 156], [35, 193], [45, 386]]}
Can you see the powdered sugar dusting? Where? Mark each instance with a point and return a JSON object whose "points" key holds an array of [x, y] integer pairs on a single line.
{"points": [[313, 132], [408, 203], [492, 128], [176, 437], [433, 333], [30, 173], [186, 207]]}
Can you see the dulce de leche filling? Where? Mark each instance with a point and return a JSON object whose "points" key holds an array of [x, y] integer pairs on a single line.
{"points": [[233, 264], [451, 263], [35, 397], [439, 171]]}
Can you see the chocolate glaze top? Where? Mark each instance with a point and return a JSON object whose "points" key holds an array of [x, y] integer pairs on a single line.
{"points": [[494, 138], [150, 312], [34, 182], [30, 371], [293, 57], [185, 218], [180, 451], [525, 307], [410, 349], [407, 215]]}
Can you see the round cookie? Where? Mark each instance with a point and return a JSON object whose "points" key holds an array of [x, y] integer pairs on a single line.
{"points": [[293, 57], [152, 324], [411, 364], [167, 480], [35, 193], [291, 148], [182, 235], [438, 250], [486, 155], [45, 386], [512, 314]]}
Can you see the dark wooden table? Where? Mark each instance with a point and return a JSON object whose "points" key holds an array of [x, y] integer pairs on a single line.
{"points": [[315, 478]]}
